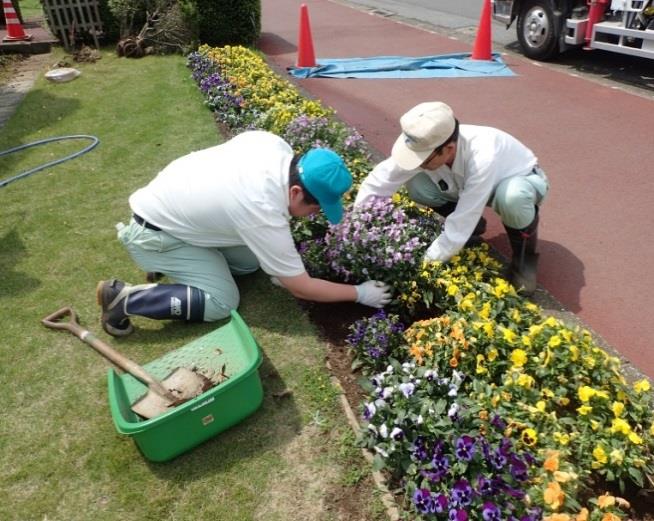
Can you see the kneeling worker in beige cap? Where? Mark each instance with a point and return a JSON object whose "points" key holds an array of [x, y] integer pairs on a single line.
{"points": [[458, 170]]}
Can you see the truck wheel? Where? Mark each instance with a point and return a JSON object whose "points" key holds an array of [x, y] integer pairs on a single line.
{"points": [[538, 30]]}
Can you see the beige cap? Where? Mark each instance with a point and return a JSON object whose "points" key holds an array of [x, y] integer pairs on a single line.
{"points": [[424, 128]]}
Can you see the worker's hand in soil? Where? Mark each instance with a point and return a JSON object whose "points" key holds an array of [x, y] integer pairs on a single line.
{"points": [[373, 293]]}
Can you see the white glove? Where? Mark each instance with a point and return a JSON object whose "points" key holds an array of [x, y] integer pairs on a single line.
{"points": [[373, 293], [275, 282], [433, 253]]}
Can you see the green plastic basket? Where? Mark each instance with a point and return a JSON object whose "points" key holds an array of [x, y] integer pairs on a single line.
{"points": [[186, 426]]}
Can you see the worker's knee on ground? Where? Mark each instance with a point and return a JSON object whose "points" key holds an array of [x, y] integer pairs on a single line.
{"points": [[217, 310]]}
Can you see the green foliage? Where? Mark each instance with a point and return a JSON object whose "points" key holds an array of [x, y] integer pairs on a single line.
{"points": [[229, 22], [61, 457]]}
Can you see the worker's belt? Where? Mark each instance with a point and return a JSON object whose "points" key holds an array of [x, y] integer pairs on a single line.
{"points": [[140, 220]]}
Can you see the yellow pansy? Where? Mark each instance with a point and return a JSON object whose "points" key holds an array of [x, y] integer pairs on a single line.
{"points": [[452, 290], [635, 439], [519, 357], [525, 380], [589, 362], [617, 408], [642, 386], [595, 425], [541, 405], [562, 438], [610, 516], [485, 310], [600, 456], [620, 425], [551, 322], [617, 456], [584, 410], [574, 352], [480, 369], [492, 354], [526, 341], [529, 437], [501, 288], [530, 306], [585, 393], [554, 341], [508, 335]]}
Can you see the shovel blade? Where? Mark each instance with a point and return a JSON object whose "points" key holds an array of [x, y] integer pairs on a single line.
{"points": [[151, 405], [182, 383]]}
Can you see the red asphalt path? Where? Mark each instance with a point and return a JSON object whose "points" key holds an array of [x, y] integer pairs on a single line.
{"points": [[595, 142]]}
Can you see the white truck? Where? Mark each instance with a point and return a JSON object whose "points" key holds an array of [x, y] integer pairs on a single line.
{"points": [[548, 27]]}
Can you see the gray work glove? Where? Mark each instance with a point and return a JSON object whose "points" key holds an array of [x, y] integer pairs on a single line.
{"points": [[373, 293]]}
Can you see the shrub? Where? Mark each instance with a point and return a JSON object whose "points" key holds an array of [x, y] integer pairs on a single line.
{"points": [[229, 22]]}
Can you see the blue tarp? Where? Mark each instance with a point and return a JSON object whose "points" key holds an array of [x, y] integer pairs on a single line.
{"points": [[439, 66]]}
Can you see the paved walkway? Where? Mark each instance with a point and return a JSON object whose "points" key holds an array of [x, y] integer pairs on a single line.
{"points": [[594, 141], [20, 84]]}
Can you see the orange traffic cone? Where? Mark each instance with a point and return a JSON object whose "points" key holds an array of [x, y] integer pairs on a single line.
{"points": [[305, 54], [482, 48], [14, 28]]}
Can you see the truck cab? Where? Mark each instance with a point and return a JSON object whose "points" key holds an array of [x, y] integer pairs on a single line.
{"points": [[545, 28]]}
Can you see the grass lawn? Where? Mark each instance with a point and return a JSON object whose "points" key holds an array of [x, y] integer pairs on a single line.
{"points": [[61, 458]]}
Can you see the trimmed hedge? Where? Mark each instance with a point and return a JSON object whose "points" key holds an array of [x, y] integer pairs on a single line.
{"points": [[229, 22]]}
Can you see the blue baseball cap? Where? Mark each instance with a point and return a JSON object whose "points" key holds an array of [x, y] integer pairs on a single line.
{"points": [[326, 177]]}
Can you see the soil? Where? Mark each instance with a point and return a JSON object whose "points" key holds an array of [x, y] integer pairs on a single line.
{"points": [[333, 321]]}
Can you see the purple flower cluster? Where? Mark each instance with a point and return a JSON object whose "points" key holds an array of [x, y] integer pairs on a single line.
{"points": [[374, 339], [489, 482], [219, 93], [376, 241], [306, 132]]}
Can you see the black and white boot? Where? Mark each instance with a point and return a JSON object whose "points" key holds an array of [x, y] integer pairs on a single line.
{"points": [[158, 301]]}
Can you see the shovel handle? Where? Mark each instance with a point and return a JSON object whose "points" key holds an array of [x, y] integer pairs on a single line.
{"points": [[54, 321]]}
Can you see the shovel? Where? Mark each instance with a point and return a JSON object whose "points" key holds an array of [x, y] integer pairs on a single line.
{"points": [[178, 387]]}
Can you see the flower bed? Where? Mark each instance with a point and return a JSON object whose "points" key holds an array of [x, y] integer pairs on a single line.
{"points": [[488, 409]]}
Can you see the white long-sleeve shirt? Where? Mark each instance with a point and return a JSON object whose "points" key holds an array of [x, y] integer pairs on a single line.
{"points": [[232, 194], [484, 157]]}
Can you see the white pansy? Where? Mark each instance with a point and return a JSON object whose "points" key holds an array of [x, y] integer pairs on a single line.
{"points": [[383, 430], [407, 389]]}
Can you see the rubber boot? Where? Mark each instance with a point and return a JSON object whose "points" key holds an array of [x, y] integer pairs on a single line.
{"points": [[158, 301], [480, 229], [524, 262]]}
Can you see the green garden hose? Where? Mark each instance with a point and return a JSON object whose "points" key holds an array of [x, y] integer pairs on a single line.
{"points": [[5, 182]]}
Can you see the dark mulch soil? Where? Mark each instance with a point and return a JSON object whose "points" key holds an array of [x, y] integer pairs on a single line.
{"points": [[333, 322]]}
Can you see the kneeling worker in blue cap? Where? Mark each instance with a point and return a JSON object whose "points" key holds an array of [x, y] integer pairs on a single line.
{"points": [[225, 211]]}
